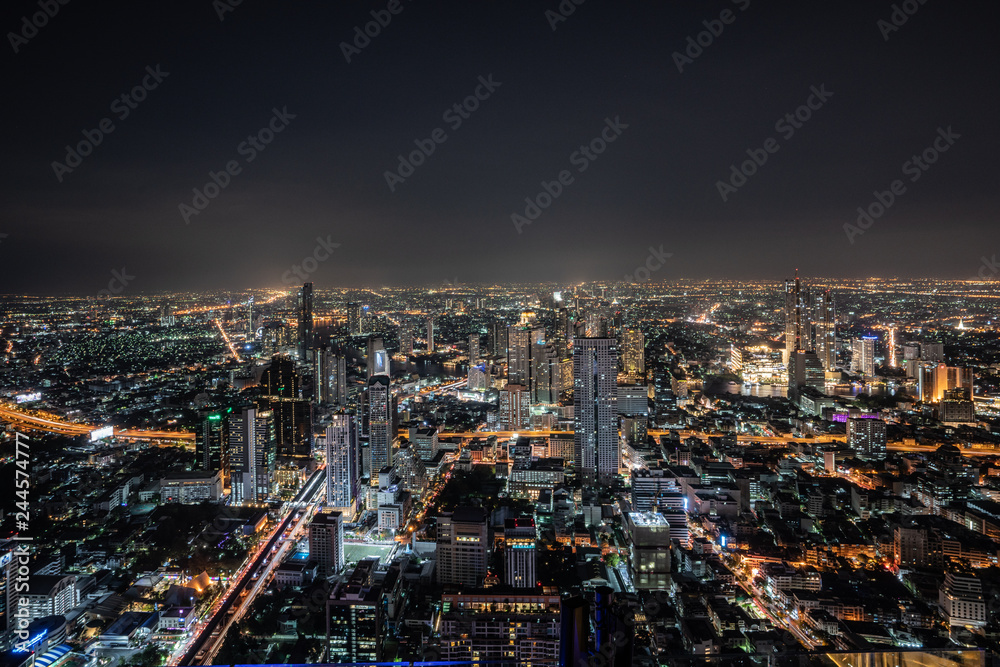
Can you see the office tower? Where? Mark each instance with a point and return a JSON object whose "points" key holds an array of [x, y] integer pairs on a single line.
{"points": [[405, 340], [411, 470], [326, 541], [324, 375], [932, 351], [514, 408], [825, 330], [462, 542], [633, 400], [430, 335], [342, 472], [378, 357], [634, 354], [338, 381], [305, 322], [863, 357], [501, 628], [961, 600], [212, 445], [890, 352], [251, 455], [949, 378], [496, 339], [797, 325], [381, 423], [518, 355], [354, 319], [356, 614], [805, 370], [425, 441], [279, 379], [473, 349], [595, 410], [867, 437], [545, 373], [520, 553]]}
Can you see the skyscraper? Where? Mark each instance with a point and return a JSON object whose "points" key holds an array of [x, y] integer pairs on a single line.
{"points": [[514, 408], [520, 553], [496, 339], [545, 373], [863, 358], [825, 330], [595, 410], [518, 355], [378, 358], [292, 415], [405, 339], [797, 324], [473, 349], [354, 319], [342, 471], [252, 453], [634, 354], [381, 423], [430, 335], [326, 541], [305, 322], [212, 445]]}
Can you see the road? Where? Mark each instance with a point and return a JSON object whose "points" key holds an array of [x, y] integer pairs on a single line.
{"points": [[72, 428], [210, 633]]}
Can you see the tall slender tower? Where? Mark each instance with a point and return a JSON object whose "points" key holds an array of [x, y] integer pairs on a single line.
{"points": [[797, 324], [595, 405], [252, 452], [634, 354], [430, 335], [473, 349], [305, 321], [825, 317], [342, 473], [381, 424]]}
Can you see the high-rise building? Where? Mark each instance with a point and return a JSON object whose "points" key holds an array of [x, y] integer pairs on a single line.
{"points": [[595, 409], [354, 319], [478, 378], [961, 600], [932, 352], [863, 357], [342, 454], [825, 330], [405, 335], [251, 455], [462, 543], [473, 349], [212, 445], [378, 357], [514, 408], [649, 536], [867, 437], [496, 339], [338, 383], [805, 370], [356, 614], [381, 422], [280, 380], [430, 335], [634, 354], [545, 373], [797, 323], [520, 552], [326, 541], [305, 322], [518, 355]]}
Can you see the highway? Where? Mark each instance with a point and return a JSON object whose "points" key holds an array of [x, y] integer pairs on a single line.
{"points": [[210, 633], [72, 428]]}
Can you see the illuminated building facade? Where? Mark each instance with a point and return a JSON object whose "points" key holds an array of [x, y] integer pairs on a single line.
{"points": [[595, 405]]}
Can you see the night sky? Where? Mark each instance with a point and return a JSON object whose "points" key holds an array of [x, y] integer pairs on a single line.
{"points": [[324, 174]]}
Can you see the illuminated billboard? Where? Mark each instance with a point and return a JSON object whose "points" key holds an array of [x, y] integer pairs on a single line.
{"points": [[28, 398], [101, 433]]}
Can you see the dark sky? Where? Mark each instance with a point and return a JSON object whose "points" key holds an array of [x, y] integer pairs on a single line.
{"points": [[656, 184]]}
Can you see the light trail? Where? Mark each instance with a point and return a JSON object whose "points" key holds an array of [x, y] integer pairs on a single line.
{"points": [[225, 337]]}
